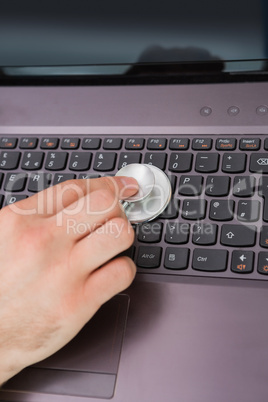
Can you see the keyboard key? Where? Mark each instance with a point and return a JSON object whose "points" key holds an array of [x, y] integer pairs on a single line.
{"points": [[155, 159], [217, 186], [134, 143], [177, 144], [104, 162], [207, 162], [210, 260], [28, 143], [12, 198], [223, 144], [194, 209], [177, 232], [204, 234], [89, 176], [238, 235], [180, 162], [250, 144], [15, 182], [49, 143], [80, 161], [1, 178], [149, 256], [39, 181], [263, 263], [56, 160], [264, 236], [112, 143], [234, 163], [259, 163], [248, 210], [263, 192], [91, 143], [8, 142], [32, 160], [9, 160], [172, 210], [221, 210], [244, 186], [70, 143], [1, 200], [190, 185], [242, 261], [155, 144], [176, 258], [61, 177], [127, 158], [150, 232], [202, 144]]}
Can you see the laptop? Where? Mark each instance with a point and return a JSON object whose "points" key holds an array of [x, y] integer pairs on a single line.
{"points": [[182, 87]]}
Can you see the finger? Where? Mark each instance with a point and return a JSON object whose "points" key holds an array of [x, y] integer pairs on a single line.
{"points": [[54, 199], [101, 245]]}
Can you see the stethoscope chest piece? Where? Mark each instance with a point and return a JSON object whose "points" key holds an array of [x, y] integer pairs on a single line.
{"points": [[153, 196]]}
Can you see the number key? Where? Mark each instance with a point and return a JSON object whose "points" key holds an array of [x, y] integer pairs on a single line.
{"points": [[105, 161]]}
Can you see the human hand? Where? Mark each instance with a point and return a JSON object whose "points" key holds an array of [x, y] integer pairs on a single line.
{"points": [[57, 266]]}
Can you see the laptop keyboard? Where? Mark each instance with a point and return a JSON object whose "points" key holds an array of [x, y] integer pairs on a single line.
{"points": [[217, 221]]}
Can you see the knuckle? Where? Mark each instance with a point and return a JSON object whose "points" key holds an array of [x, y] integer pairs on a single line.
{"points": [[105, 200]]}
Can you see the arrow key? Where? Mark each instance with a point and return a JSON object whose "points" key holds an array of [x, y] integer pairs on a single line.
{"points": [[263, 263], [242, 261]]}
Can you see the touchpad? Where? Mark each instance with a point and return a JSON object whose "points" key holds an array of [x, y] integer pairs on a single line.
{"points": [[88, 365]]}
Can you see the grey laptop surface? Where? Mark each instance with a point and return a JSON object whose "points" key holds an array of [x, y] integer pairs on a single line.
{"points": [[182, 87]]}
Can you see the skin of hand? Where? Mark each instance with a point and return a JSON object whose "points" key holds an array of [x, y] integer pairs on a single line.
{"points": [[58, 265]]}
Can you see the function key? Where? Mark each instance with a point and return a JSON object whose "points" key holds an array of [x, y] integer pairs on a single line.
{"points": [[70, 143], [91, 143], [112, 143], [8, 142], [28, 143], [225, 143], [156, 143], [49, 143], [176, 144], [250, 144], [135, 143], [266, 144], [202, 143]]}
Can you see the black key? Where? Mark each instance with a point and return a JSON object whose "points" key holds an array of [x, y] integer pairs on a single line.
{"points": [[134, 143], [173, 181], [190, 185], [89, 176], [176, 258], [259, 163], [204, 233], [194, 209], [8, 142], [250, 144], [56, 160], [91, 143], [49, 143], [234, 162], [15, 182], [263, 263], [154, 144], [130, 252], [242, 261], [1, 178], [202, 144], [207, 162], [264, 236], [1, 200], [248, 210], [28, 143], [210, 260], [177, 232], [32, 160], [217, 186], [104, 162], [176, 144], [70, 143], [180, 162], [266, 144], [155, 159], [80, 161], [9, 160], [172, 210], [221, 210], [238, 235], [225, 144], [263, 192], [244, 186], [112, 143], [149, 256], [12, 198], [129, 157], [150, 232], [39, 181], [61, 177]]}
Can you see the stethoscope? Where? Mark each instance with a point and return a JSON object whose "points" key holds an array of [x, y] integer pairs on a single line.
{"points": [[153, 195]]}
